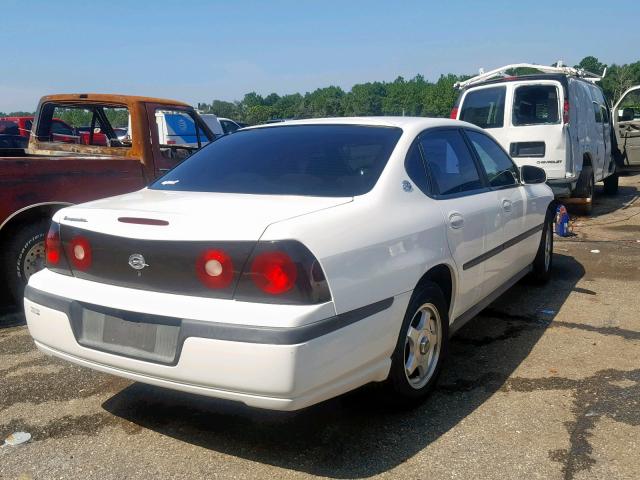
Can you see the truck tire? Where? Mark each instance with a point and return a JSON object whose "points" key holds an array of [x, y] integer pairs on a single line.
{"points": [[585, 189], [25, 256], [611, 183]]}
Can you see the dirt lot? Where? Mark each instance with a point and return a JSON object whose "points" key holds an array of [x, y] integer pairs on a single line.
{"points": [[543, 384]]}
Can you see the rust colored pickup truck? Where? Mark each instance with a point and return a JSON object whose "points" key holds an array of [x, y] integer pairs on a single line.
{"points": [[61, 168]]}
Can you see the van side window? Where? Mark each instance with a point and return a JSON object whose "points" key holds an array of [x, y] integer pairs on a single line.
{"points": [[535, 105], [500, 169], [597, 112], [484, 107], [449, 162]]}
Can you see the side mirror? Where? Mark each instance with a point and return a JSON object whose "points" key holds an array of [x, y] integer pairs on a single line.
{"points": [[532, 175], [626, 115]]}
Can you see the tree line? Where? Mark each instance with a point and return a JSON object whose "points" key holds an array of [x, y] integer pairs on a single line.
{"points": [[415, 96]]}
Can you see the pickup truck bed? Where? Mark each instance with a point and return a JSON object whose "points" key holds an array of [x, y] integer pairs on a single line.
{"points": [[51, 173]]}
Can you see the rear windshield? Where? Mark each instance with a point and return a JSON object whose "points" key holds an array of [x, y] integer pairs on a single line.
{"points": [[535, 105], [313, 160], [484, 107]]}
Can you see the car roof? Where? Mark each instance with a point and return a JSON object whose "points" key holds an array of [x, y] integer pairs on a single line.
{"points": [[418, 123]]}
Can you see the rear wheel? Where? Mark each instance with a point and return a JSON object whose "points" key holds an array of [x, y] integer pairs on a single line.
{"points": [[422, 346], [611, 183], [543, 262], [25, 256], [585, 190]]}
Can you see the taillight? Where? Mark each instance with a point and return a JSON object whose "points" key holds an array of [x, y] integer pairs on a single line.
{"points": [[80, 252], [565, 111], [282, 271], [53, 245], [214, 269], [454, 113], [55, 259], [274, 272]]}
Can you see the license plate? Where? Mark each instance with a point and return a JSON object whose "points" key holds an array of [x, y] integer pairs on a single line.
{"points": [[130, 337]]}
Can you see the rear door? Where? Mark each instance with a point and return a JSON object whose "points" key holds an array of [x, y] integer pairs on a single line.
{"points": [[469, 209], [626, 124]]}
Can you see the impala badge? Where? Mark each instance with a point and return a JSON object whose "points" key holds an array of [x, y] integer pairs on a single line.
{"points": [[136, 261]]}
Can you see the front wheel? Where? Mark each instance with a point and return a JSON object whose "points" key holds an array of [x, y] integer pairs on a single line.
{"points": [[422, 346], [25, 256]]}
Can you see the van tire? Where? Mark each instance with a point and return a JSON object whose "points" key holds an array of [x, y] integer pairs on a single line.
{"points": [[585, 189], [25, 255], [611, 183]]}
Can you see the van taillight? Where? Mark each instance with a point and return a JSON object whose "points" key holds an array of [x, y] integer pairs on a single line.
{"points": [[565, 111], [454, 113]]}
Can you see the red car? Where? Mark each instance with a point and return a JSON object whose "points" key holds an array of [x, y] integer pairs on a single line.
{"points": [[61, 131]]}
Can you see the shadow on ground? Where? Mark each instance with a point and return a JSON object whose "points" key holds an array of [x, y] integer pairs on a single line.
{"points": [[359, 434], [604, 204]]}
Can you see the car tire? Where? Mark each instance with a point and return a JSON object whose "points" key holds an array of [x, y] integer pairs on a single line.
{"points": [[585, 189], [422, 346], [25, 256], [543, 262], [611, 183]]}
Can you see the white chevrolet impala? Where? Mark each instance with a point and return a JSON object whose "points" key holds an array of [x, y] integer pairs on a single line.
{"points": [[290, 263]]}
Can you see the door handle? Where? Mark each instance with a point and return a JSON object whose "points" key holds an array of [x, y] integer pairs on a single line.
{"points": [[506, 205], [456, 220]]}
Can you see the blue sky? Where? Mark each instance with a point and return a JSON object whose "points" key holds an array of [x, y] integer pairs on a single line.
{"points": [[197, 51]]}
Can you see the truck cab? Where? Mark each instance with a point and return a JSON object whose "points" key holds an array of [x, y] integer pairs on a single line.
{"points": [[77, 152]]}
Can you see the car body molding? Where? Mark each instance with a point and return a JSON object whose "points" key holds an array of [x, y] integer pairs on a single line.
{"points": [[494, 251], [215, 330]]}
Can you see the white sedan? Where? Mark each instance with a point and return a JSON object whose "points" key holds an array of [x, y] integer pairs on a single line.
{"points": [[290, 263]]}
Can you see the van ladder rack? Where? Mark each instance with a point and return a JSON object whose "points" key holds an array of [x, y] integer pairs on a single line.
{"points": [[571, 71]]}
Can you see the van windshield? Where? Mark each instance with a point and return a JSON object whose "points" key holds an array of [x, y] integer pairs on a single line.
{"points": [[312, 160], [484, 107], [535, 105]]}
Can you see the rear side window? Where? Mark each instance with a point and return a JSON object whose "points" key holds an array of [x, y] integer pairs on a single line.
{"points": [[8, 127], [500, 169], [312, 160], [484, 107], [535, 105], [449, 162], [415, 167], [83, 124]]}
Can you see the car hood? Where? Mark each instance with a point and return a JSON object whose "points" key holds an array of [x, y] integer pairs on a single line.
{"points": [[191, 215]]}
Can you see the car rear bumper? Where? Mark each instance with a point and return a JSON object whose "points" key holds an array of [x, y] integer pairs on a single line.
{"points": [[281, 368]]}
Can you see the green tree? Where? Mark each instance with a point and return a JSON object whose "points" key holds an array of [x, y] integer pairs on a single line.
{"points": [[591, 64]]}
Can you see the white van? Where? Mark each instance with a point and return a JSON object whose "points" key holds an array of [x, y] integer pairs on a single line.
{"points": [[557, 120]]}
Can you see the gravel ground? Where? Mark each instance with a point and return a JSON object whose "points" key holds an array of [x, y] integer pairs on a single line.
{"points": [[543, 384]]}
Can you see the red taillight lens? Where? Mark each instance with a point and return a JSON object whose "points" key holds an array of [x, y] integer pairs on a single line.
{"points": [[565, 111], [215, 269], [53, 245], [80, 252], [274, 272], [454, 113]]}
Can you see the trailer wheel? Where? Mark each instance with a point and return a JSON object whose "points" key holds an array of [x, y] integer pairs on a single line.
{"points": [[25, 256]]}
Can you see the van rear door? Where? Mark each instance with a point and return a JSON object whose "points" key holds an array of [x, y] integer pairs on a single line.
{"points": [[626, 124]]}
